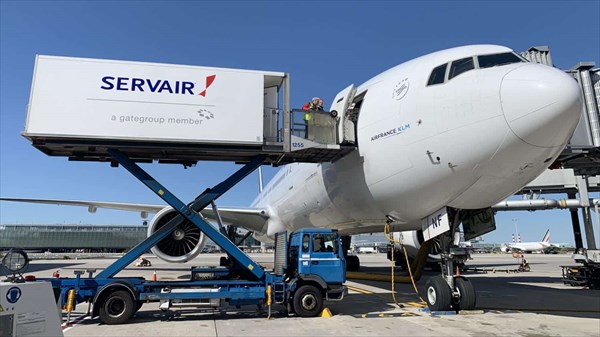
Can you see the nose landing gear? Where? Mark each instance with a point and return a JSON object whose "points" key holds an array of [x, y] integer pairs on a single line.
{"points": [[450, 291]]}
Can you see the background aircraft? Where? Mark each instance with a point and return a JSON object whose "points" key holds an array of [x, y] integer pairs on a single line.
{"points": [[530, 246]]}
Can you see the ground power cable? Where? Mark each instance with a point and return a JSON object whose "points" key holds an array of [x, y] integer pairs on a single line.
{"points": [[418, 264], [411, 276], [390, 237]]}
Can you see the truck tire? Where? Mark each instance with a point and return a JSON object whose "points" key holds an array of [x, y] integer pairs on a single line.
{"points": [[117, 307], [308, 301], [439, 296], [138, 306]]}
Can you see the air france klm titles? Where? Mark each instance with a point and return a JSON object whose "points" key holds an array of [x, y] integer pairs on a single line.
{"points": [[391, 132], [142, 85]]}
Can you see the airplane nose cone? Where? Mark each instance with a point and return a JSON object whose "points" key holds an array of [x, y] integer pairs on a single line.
{"points": [[541, 104]]}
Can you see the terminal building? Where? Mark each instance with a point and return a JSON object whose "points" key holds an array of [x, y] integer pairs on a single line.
{"points": [[71, 238], [89, 238]]}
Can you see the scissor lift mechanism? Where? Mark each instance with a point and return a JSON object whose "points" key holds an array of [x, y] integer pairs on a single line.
{"points": [[237, 292]]}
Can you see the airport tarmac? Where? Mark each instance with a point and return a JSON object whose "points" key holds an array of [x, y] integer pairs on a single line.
{"points": [[534, 303]]}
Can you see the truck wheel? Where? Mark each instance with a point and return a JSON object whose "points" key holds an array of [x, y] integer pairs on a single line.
{"points": [[439, 296], [138, 306], [308, 301], [466, 301], [117, 307]]}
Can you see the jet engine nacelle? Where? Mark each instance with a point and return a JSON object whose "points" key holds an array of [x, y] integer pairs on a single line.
{"points": [[412, 241], [183, 244]]}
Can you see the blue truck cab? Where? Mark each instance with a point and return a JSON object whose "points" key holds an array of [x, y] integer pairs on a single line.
{"points": [[317, 268]]}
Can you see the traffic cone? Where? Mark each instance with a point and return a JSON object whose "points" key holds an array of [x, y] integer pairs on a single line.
{"points": [[326, 313], [154, 276]]}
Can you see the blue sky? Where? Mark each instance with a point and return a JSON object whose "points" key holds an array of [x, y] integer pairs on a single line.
{"points": [[324, 45]]}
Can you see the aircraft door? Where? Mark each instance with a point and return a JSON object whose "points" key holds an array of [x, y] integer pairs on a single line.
{"points": [[341, 103]]}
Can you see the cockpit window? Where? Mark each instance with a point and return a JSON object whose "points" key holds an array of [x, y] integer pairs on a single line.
{"points": [[468, 63], [488, 61], [460, 66], [437, 75]]}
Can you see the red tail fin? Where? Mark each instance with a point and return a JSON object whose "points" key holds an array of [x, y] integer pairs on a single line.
{"points": [[546, 238]]}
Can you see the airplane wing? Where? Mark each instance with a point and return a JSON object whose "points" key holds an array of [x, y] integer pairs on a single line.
{"points": [[250, 218], [254, 219], [92, 205]]}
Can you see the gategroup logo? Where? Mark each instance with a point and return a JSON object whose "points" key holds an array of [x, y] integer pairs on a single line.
{"points": [[159, 86]]}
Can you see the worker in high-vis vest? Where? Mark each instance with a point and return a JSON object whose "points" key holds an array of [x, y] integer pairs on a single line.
{"points": [[315, 104]]}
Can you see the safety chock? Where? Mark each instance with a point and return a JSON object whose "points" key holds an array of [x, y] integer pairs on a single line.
{"points": [[326, 313], [437, 313]]}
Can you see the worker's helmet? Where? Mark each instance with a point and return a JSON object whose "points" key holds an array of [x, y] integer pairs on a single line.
{"points": [[315, 100]]}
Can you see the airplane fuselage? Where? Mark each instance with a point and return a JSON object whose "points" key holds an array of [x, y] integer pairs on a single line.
{"points": [[466, 139]]}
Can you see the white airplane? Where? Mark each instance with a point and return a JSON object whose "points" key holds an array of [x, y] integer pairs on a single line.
{"points": [[530, 246], [461, 128]]}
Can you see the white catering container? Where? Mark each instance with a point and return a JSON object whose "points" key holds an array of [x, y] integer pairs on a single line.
{"points": [[76, 98]]}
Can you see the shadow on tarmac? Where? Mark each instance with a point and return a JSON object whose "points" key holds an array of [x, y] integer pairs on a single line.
{"points": [[510, 293], [352, 305]]}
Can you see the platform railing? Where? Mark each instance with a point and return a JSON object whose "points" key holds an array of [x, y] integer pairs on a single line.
{"points": [[316, 126]]}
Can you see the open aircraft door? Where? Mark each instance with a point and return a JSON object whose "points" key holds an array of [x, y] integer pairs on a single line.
{"points": [[341, 103]]}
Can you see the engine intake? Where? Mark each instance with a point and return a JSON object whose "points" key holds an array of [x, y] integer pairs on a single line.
{"points": [[183, 244]]}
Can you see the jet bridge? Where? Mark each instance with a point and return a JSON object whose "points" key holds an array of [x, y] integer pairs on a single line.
{"points": [[81, 108]]}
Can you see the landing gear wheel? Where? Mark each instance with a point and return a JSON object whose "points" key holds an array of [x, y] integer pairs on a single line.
{"points": [[466, 300], [439, 295], [352, 263], [308, 301], [117, 307]]}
